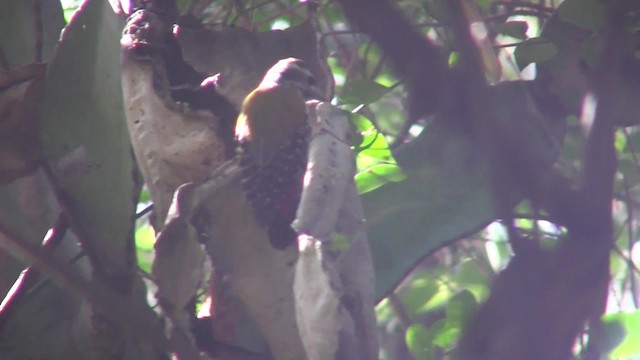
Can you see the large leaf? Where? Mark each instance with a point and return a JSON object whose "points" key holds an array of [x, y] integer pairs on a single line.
{"points": [[446, 195], [588, 14], [440, 201], [85, 136], [534, 50], [30, 208], [362, 91], [419, 341], [629, 325]]}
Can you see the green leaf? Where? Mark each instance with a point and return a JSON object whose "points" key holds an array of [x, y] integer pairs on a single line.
{"points": [[534, 50], [461, 307], [145, 259], [418, 341], [145, 237], [145, 197], [620, 141], [378, 175], [374, 147], [366, 127], [469, 274], [384, 312], [445, 334], [376, 165], [515, 29], [629, 324], [83, 126], [469, 277], [588, 14], [68, 14], [373, 151], [69, 8], [420, 290], [446, 196], [454, 58], [362, 92], [526, 224]]}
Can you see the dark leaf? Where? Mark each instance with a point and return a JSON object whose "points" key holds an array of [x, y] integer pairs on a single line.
{"points": [[534, 50], [588, 14], [419, 341], [362, 92]]}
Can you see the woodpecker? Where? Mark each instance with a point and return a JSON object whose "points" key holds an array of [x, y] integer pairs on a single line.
{"points": [[273, 133]]}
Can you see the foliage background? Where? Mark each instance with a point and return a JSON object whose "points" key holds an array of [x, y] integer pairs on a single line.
{"points": [[432, 225]]}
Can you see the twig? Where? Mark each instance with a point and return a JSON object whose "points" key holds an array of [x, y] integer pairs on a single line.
{"points": [[144, 211], [113, 305], [29, 277]]}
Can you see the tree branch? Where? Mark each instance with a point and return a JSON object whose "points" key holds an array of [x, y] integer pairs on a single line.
{"points": [[416, 60]]}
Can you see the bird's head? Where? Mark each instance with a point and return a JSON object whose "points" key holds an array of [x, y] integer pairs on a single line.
{"points": [[290, 72]]}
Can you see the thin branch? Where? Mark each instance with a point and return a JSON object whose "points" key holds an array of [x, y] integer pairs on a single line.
{"points": [[113, 305], [31, 275], [144, 211]]}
